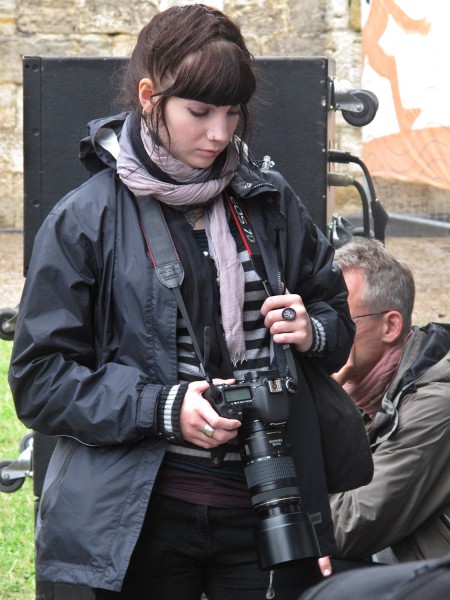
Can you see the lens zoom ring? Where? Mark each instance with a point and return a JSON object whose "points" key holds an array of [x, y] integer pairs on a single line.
{"points": [[267, 471]]}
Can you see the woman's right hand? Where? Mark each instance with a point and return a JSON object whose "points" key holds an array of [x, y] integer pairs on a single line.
{"points": [[196, 413]]}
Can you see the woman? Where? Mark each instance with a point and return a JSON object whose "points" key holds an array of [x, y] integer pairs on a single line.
{"points": [[145, 493]]}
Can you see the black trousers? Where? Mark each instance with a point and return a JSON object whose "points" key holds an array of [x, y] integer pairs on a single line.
{"points": [[185, 550]]}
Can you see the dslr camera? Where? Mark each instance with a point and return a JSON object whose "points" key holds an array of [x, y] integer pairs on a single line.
{"points": [[284, 533]]}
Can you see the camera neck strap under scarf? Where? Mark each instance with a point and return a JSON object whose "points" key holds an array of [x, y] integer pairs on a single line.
{"points": [[166, 261], [170, 272], [248, 237], [251, 244]]}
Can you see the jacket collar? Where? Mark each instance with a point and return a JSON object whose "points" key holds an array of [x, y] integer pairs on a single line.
{"points": [[427, 346]]}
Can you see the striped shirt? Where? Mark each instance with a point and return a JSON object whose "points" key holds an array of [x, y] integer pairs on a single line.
{"points": [[257, 337], [257, 340]]}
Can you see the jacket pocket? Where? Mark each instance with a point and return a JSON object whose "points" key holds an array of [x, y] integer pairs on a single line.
{"points": [[57, 468]]}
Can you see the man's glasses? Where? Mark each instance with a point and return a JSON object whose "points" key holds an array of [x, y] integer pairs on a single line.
{"points": [[374, 314]]}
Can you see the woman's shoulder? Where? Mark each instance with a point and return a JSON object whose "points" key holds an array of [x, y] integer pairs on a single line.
{"points": [[97, 193], [90, 207]]}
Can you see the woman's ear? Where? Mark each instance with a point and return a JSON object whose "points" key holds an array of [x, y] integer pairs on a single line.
{"points": [[146, 92], [393, 326]]}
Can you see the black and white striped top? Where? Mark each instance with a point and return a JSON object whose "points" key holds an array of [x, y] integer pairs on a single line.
{"points": [[257, 337], [257, 358]]}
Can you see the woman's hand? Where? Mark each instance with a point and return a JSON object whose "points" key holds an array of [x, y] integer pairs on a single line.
{"points": [[297, 331], [200, 424]]}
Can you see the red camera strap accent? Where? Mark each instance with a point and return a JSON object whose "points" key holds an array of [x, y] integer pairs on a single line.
{"points": [[243, 224]]}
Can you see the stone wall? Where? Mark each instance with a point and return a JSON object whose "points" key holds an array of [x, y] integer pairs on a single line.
{"points": [[108, 27]]}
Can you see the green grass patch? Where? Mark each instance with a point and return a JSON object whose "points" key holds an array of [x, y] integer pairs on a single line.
{"points": [[17, 508]]}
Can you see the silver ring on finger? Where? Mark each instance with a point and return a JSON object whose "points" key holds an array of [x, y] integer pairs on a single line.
{"points": [[208, 430]]}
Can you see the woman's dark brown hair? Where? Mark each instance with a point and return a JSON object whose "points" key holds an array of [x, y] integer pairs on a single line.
{"points": [[193, 52]]}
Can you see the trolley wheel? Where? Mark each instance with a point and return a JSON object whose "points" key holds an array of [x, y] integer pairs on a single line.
{"points": [[26, 441], [5, 315], [370, 104], [9, 485]]}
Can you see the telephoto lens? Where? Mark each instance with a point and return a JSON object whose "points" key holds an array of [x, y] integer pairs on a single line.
{"points": [[284, 532]]}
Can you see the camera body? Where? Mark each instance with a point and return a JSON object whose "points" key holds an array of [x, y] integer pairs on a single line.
{"points": [[261, 401], [263, 395]]}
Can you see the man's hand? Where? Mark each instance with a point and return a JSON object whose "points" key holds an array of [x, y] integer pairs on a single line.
{"points": [[346, 372], [325, 566]]}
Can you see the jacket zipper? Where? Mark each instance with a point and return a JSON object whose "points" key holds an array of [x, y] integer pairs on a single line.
{"points": [[251, 187], [281, 286]]}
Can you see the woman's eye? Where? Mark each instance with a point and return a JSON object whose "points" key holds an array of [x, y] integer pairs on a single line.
{"points": [[234, 112], [195, 113]]}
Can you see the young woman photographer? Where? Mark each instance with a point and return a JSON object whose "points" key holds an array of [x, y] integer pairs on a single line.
{"points": [[145, 494]]}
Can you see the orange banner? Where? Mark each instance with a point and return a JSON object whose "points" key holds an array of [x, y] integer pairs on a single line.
{"points": [[405, 52]]}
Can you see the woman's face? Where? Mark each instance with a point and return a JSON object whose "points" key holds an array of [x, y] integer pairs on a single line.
{"points": [[198, 132]]}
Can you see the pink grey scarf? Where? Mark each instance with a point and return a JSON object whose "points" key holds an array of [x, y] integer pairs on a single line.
{"points": [[197, 190]]}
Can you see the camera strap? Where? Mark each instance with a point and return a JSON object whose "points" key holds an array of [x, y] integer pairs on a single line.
{"points": [[251, 244], [248, 237], [170, 272], [166, 261]]}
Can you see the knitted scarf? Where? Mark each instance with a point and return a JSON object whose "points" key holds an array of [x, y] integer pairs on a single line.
{"points": [[147, 168]]}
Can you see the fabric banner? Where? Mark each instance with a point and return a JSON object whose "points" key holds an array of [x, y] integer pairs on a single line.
{"points": [[405, 54]]}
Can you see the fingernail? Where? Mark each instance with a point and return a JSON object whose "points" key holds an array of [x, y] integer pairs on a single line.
{"points": [[326, 572]]}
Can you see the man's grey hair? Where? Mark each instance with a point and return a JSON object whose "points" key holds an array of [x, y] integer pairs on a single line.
{"points": [[389, 283]]}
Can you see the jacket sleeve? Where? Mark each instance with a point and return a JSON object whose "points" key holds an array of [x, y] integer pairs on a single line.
{"points": [[410, 482], [60, 384], [310, 271]]}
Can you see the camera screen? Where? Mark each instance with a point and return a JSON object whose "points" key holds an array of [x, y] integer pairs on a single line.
{"points": [[237, 394]]}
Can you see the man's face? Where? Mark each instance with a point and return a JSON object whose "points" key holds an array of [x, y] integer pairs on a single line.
{"points": [[368, 346]]}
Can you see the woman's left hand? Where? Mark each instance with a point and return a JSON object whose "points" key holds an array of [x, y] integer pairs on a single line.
{"points": [[288, 327]]}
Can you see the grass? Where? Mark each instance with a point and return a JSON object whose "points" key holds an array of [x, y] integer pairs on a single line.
{"points": [[16, 509]]}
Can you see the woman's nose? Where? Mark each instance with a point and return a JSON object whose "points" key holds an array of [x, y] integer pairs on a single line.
{"points": [[218, 130]]}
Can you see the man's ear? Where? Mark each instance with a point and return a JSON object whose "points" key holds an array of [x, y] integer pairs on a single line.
{"points": [[393, 326], [146, 91]]}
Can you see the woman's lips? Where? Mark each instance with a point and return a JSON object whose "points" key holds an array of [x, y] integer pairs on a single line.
{"points": [[209, 152]]}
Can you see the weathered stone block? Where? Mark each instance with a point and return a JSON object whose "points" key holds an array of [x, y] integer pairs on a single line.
{"points": [[47, 16], [8, 106], [112, 17]]}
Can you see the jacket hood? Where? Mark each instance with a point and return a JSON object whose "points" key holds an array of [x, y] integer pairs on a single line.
{"points": [[423, 359], [426, 348], [100, 149]]}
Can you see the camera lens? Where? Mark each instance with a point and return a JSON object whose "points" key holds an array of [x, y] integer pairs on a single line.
{"points": [[284, 533]]}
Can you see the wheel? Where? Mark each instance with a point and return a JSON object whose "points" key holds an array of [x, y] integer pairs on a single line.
{"points": [[370, 107], [5, 315], [25, 441], [9, 485]]}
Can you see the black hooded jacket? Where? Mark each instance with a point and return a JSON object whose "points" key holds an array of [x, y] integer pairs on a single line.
{"points": [[96, 341]]}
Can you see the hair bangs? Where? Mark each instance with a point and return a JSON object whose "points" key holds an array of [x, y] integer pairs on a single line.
{"points": [[218, 74]]}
